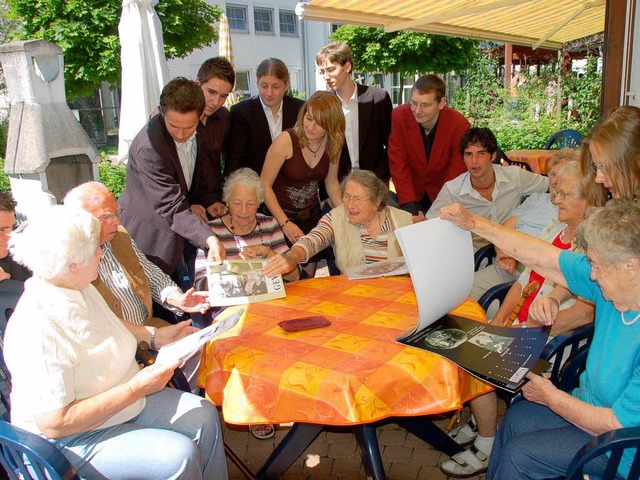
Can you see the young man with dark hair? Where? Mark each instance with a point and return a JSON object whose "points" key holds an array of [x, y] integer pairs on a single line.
{"points": [[488, 190], [169, 183], [423, 146], [367, 112], [217, 78]]}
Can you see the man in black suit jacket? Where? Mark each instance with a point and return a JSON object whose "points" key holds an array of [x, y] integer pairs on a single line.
{"points": [[250, 138], [257, 122], [367, 112], [168, 191]]}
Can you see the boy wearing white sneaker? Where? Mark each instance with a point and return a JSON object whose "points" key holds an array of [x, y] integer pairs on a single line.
{"points": [[477, 436]]}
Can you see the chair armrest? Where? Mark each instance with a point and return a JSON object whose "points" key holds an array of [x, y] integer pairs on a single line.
{"points": [[614, 442]]}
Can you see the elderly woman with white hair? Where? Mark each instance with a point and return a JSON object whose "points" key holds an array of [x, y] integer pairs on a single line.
{"points": [[75, 378], [538, 437], [243, 231], [361, 229]]}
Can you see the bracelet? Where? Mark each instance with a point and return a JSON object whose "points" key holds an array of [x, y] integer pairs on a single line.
{"points": [[555, 298], [152, 340], [287, 221]]}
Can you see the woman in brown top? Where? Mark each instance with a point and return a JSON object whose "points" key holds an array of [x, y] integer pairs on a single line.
{"points": [[299, 159]]}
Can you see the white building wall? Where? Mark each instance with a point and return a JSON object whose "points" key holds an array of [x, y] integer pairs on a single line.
{"points": [[250, 48]]}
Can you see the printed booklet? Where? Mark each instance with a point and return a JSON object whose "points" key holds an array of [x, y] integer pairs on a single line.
{"points": [[237, 282], [394, 266], [439, 256]]}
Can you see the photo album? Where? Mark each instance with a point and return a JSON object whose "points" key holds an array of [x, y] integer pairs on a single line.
{"points": [[439, 256], [237, 282]]}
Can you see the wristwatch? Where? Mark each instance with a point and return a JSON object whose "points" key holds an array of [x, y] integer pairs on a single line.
{"points": [[152, 340]]}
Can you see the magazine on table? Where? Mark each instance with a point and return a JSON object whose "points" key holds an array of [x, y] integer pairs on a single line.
{"points": [[187, 346], [439, 256], [237, 282], [394, 266]]}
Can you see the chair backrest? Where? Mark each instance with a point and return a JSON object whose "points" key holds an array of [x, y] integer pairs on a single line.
{"points": [[562, 349], [614, 443], [483, 257], [495, 293], [564, 138], [25, 455]]}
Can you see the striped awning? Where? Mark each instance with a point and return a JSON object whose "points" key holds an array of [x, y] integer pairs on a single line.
{"points": [[536, 23]]}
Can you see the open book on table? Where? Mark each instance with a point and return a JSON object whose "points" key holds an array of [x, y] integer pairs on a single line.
{"points": [[237, 282], [394, 266], [440, 260], [187, 346]]}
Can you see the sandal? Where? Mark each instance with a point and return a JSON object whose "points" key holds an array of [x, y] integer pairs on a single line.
{"points": [[262, 432], [468, 463], [465, 434]]}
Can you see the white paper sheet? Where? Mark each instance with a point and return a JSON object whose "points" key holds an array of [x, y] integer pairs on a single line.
{"points": [[188, 345], [440, 260]]}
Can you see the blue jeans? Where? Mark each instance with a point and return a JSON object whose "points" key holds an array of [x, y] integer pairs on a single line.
{"points": [[535, 443], [176, 436]]}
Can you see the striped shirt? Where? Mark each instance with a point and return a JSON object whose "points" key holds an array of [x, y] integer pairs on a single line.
{"points": [[322, 236], [266, 232], [113, 276]]}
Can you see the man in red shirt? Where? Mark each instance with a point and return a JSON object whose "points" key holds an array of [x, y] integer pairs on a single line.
{"points": [[424, 145]]}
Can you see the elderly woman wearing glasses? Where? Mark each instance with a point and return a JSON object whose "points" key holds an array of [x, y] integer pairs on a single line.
{"points": [[538, 437], [361, 229]]}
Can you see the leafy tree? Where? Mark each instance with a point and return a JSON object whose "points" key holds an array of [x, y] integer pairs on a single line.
{"points": [[405, 53], [87, 32]]}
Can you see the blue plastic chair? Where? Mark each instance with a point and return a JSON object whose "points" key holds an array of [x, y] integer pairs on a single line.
{"points": [[19, 447], [483, 257], [564, 138]]}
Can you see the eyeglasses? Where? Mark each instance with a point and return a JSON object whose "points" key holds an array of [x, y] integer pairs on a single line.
{"points": [[109, 217], [329, 70], [420, 106], [562, 195], [357, 201], [598, 167]]}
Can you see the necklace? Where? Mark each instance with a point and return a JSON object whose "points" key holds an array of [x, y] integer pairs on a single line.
{"points": [[315, 152], [630, 322], [237, 237], [484, 188]]}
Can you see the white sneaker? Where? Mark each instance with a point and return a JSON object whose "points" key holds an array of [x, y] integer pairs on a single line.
{"points": [[465, 434], [468, 463]]}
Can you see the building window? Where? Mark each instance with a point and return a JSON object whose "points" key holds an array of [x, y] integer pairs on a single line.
{"points": [[288, 24], [335, 26], [263, 20], [237, 15], [242, 83]]}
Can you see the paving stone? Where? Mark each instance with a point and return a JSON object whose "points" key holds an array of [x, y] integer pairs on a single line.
{"points": [[350, 467], [425, 456], [396, 453], [392, 437], [343, 450], [403, 471]]}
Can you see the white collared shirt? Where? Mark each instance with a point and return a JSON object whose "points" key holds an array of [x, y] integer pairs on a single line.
{"points": [[512, 184], [275, 122], [187, 152], [352, 139]]}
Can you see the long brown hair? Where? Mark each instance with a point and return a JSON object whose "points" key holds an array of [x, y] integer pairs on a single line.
{"points": [[326, 110], [617, 137]]}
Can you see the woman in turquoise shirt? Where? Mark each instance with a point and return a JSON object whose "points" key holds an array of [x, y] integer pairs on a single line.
{"points": [[538, 437]]}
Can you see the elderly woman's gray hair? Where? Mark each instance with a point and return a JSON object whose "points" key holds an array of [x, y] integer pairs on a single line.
{"points": [[566, 153], [58, 236], [378, 191], [572, 172], [247, 177], [612, 231]]}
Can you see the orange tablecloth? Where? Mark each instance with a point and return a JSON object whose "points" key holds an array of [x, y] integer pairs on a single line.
{"points": [[348, 373], [536, 159]]}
